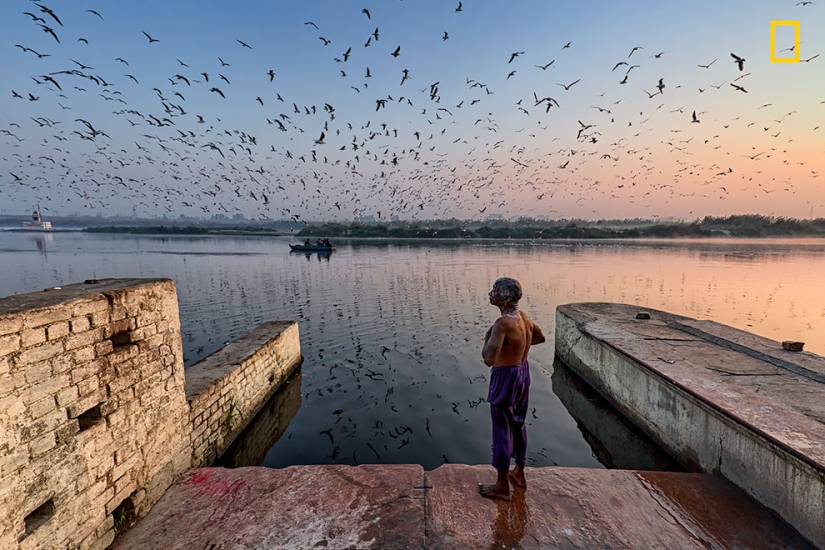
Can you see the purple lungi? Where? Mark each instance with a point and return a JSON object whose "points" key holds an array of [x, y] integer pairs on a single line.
{"points": [[509, 391]]}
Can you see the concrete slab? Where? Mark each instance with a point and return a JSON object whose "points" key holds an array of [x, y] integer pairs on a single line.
{"points": [[719, 399], [399, 506], [299, 507]]}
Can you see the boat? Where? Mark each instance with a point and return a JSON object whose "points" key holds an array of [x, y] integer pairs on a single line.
{"points": [[312, 248], [37, 223]]}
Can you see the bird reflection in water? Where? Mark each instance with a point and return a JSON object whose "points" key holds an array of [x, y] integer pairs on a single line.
{"points": [[511, 521]]}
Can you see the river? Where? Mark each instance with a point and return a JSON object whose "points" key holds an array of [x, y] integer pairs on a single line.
{"points": [[391, 330]]}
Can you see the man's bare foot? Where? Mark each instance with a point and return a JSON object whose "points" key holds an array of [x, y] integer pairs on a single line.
{"points": [[501, 490], [493, 492], [516, 477]]}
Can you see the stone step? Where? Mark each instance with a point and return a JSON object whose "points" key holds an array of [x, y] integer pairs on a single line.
{"points": [[402, 506]]}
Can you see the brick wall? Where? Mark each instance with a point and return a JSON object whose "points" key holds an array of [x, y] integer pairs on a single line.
{"points": [[266, 428], [227, 389], [94, 423]]}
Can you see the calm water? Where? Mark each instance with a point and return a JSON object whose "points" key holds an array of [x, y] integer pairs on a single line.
{"points": [[391, 331]]}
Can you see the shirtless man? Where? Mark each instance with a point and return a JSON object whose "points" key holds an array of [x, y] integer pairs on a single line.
{"points": [[506, 346]]}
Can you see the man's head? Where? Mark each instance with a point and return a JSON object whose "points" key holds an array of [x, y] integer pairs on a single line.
{"points": [[507, 290]]}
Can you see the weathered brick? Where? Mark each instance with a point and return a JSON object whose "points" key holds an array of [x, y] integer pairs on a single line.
{"points": [[42, 426], [79, 407], [106, 525], [67, 396], [39, 317], [58, 330], [89, 306], [47, 387], [5, 367], [87, 386], [42, 445], [93, 368], [99, 319], [82, 339], [14, 460], [38, 372], [122, 353], [9, 344], [65, 433], [104, 348], [62, 364], [84, 355], [80, 324], [33, 336], [42, 407], [39, 353], [10, 324]]}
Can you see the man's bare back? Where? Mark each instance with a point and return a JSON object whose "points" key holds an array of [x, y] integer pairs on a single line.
{"points": [[510, 339]]}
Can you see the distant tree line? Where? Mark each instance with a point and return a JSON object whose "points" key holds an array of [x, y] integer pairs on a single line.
{"points": [[750, 225]]}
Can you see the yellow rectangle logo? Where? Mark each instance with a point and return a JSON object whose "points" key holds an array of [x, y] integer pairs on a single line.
{"points": [[795, 49]]}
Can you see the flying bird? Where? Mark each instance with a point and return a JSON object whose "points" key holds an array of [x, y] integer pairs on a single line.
{"points": [[568, 86], [397, 52], [366, 12], [149, 37], [514, 55], [217, 91], [694, 119], [244, 44], [738, 60], [320, 140], [271, 74], [459, 7], [708, 65]]}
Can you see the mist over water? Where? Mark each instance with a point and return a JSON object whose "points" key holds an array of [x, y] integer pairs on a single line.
{"points": [[391, 330]]}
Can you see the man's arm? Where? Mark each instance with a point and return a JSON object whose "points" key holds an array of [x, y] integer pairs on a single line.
{"points": [[538, 336], [492, 344]]}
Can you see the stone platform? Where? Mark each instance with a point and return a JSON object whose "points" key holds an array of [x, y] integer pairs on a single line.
{"points": [[402, 506], [720, 400]]}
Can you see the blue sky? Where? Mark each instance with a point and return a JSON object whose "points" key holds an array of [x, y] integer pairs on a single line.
{"points": [[478, 144]]}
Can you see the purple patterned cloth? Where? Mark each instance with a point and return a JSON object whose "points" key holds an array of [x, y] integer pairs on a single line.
{"points": [[508, 395]]}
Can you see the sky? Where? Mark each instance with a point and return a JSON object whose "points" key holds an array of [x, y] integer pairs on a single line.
{"points": [[300, 110]]}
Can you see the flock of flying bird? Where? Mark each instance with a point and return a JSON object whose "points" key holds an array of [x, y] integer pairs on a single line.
{"points": [[431, 151]]}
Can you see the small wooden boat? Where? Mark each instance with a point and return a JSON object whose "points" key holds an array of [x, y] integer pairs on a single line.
{"points": [[313, 248]]}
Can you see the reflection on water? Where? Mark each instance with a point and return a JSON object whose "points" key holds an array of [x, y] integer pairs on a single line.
{"points": [[267, 427], [391, 330], [511, 522], [615, 441]]}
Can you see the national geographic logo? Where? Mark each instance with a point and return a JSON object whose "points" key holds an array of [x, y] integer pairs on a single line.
{"points": [[794, 50]]}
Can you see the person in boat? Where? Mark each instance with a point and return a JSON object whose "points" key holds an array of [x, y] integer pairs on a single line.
{"points": [[307, 243], [319, 242], [506, 346], [327, 243]]}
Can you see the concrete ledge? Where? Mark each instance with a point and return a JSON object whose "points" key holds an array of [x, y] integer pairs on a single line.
{"points": [[714, 407], [227, 389], [391, 507]]}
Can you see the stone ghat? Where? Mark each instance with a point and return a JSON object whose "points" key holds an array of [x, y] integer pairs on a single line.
{"points": [[718, 399], [97, 418], [401, 506]]}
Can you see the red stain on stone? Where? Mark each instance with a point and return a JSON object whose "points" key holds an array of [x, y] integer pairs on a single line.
{"points": [[214, 483], [200, 477]]}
